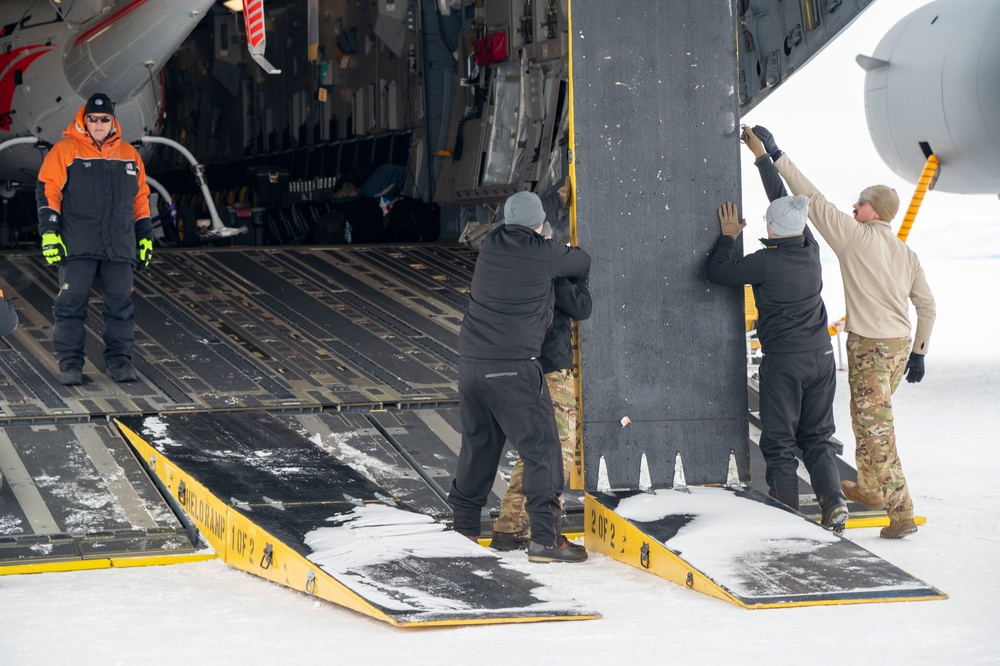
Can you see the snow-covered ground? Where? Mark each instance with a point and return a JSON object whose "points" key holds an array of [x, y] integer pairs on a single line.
{"points": [[947, 426], [208, 613]]}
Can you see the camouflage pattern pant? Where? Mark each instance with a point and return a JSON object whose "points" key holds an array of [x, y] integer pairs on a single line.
{"points": [[875, 368], [513, 517]]}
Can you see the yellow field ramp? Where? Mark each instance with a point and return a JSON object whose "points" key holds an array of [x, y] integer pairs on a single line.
{"points": [[740, 546], [273, 504]]}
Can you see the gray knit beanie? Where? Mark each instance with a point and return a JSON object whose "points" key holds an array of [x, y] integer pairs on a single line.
{"points": [[525, 209], [787, 216]]}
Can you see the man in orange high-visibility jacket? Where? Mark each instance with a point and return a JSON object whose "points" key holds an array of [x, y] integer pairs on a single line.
{"points": [[93, 217]]}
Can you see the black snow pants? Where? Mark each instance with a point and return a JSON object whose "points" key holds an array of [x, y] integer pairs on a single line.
{"points": [[796, 409], [502, 400], [76, 275]]}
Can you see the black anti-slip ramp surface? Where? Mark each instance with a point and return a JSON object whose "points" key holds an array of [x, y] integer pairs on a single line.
{"points": [[744, 547], [275, 504], [354, 439]]}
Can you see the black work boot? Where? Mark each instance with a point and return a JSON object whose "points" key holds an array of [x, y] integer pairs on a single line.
{"points": [[506, 541], [70, 375], [122, 372], [835, 514], [563, 551]]}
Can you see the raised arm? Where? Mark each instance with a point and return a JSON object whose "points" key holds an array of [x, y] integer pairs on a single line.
{"points": [[769, 177]]}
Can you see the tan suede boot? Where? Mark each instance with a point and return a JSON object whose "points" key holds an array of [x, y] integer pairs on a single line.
{"points": [[897, 529], [854, 493]]}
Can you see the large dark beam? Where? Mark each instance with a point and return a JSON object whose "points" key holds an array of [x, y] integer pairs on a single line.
{"points": [[656, 118]]}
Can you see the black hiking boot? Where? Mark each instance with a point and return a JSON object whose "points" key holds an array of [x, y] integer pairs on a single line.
{"points": [[70, 375], [563, 551], [835, 515], [122, 372], [507, 541]]}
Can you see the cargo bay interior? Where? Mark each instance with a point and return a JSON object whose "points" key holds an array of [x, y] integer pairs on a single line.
{"points": [[345, 149], [395, 106]]}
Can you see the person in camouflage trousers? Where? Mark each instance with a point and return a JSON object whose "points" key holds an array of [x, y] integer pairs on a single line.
{"points": [[511, 524], [875, 368], [882, 277]]}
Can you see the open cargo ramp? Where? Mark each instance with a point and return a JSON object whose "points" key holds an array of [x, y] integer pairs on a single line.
{"points": [[273, 504], [742, 547]]}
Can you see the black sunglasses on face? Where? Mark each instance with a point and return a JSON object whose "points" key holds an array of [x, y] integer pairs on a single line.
{"points": [[99, 119]]}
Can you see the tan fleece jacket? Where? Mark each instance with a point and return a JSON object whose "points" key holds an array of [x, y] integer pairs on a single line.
{"points": [[881, 274]]}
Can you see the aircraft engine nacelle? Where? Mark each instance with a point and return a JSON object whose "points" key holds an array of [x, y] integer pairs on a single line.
{"points": [[935, 79]]}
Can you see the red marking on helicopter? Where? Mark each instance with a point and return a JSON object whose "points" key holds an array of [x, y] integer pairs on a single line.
{"points": [[13, 64]]}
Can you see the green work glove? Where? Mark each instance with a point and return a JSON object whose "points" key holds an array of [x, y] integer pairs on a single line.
{"points": [[145, 252], [53, 248]]}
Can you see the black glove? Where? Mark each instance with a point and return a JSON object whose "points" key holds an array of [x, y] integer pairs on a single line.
{"points": [[767, 139], [915, 368]]}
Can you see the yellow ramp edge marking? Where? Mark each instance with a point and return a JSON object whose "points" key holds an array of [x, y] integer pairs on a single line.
{"points": [[46, 567], [877, 521], [245, 546], [118, 562], [608, 533], [240, 543], [157, 560]]}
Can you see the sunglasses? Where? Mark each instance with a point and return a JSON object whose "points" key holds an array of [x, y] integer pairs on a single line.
{"points": [[104, 120]]}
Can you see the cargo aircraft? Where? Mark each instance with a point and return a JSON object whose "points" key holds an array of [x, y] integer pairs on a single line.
{"points": [[256, 363]]}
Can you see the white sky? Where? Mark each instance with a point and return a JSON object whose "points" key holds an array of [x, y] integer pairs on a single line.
{"points": [[818, 118], [947, 426]]}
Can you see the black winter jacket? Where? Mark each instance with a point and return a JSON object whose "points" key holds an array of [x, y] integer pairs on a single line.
{"points": [[512, 296], [572, 302], [787, 281]]}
